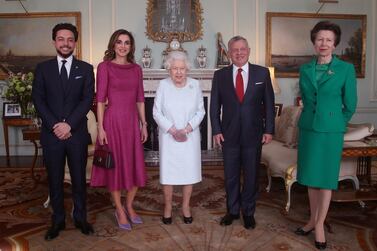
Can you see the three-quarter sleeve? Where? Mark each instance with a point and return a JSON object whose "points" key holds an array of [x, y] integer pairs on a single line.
{"points": [[102, 82], [140, 89]]}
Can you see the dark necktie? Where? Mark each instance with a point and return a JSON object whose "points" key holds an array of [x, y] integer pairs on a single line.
{"points": [[239, 85], [64, 74]]}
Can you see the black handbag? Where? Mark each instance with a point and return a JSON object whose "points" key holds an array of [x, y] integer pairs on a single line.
{"points": [[103, 157]]}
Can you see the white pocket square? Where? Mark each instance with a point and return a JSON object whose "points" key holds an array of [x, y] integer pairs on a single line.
{"points": [[259, 83], [77, 77]]}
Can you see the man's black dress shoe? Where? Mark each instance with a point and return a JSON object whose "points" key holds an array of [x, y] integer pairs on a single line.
{"points": [[54, 230], [85, 227], [300, 231], [248, 222], [188, 220], [320, 245], [228, 219], [167, 220]]}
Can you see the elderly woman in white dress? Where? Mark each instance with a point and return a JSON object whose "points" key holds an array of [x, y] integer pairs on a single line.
{"points": [[178, 110]]}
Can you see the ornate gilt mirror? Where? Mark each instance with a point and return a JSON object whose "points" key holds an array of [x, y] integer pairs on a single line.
{"points": [[168, 19]]}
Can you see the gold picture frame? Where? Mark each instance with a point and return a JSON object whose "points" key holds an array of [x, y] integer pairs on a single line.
{"points": [[26, 39], [174, 18], [289, 46]]}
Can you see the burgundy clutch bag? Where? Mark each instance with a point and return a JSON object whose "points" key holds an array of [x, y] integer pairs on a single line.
{"points": [[103, 157]]}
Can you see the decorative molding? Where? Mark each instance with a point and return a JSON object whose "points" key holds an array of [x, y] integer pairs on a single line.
{"points": [[235, 18], [90, 21], [113, 15], [373, 86], [256, 22], [366, 110]]}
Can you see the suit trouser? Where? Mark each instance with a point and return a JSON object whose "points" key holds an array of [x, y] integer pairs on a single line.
{"points": [[247, 159], [55, 158]]}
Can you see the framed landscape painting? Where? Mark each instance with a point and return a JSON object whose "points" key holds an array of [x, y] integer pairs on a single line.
{"points": [[26, 39], [289, 45]]}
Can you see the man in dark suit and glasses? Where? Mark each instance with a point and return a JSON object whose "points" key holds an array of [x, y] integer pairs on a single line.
{"points": [[242, 118], [63, 91]]}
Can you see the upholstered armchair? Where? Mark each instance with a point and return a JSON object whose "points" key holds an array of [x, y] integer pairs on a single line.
{"points": [[92, 128], [280, 156]]}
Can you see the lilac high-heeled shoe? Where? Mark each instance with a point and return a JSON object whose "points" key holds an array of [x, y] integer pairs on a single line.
{"points": [[126, 226], [134, 220]]}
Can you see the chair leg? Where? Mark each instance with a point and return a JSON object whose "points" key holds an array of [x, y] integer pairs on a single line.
{"points": [[288, 186], [47, 202]]}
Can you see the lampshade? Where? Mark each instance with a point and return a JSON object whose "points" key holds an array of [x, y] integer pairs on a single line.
{"points": [[275, 84]]}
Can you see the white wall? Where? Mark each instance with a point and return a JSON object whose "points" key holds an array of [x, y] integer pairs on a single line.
{"points": [[246, 17]]}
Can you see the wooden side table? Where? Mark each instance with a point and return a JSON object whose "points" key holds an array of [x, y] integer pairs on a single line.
{"points": [[364, 152], [16, 122], [33, 134]]}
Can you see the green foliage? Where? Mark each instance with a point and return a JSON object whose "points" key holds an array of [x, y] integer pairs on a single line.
{"points": [[19, 91]]}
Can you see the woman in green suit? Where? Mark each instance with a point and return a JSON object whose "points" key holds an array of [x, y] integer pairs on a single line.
{"points": [[328, 89]]}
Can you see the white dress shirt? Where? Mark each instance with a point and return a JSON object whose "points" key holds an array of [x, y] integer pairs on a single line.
{"points": [[67, 64], [244, 73]]}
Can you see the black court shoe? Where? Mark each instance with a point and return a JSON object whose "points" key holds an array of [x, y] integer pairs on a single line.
{"points": [[188, 220], [300, 231], [166, 221], [320, 245]]}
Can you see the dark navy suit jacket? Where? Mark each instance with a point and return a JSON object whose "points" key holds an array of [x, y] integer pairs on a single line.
{"points": [[55, 103], [242, 123]]}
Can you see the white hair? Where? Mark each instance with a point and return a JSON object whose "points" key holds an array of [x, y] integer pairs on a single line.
{"points": [[176, 55]]}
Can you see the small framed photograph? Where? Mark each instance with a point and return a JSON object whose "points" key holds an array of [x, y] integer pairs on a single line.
{"points": [[11, 110]]}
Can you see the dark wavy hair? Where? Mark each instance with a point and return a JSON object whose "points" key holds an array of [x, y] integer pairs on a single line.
{"points": [[65, 26], [328, 26], [110, 53]]}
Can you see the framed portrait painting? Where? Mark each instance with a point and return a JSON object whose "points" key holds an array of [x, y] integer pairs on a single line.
{"points": [[289, 45], [167, 19], [26, 39]]}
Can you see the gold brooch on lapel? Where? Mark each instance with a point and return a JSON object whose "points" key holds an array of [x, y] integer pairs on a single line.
{"points": [[330, 72]]}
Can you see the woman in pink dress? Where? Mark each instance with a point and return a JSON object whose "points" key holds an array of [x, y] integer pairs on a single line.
{"points": [[121, 125]]}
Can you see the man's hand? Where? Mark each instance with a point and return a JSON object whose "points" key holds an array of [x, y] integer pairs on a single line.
{"points": [[218, 139], [62, 130], [266, 138]]}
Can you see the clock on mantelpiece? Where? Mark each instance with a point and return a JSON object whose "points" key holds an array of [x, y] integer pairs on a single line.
{"points": [[174, 44]]}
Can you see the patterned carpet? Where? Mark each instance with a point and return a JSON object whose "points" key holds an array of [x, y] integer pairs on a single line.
{"points": [[24, 220]]}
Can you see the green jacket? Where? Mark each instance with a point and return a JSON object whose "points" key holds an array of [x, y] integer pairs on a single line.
{"points": [[330, 103]]}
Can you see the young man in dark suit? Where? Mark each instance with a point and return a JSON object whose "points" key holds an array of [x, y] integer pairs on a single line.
{"points": [[242, 118], [63, 91]]}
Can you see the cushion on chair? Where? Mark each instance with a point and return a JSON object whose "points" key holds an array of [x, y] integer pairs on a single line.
{"points": [[278, 158], [92, 126], [286, 129], [358, 131]]}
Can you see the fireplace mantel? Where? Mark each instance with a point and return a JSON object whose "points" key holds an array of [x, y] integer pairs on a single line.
{"points": [[151, 78]]}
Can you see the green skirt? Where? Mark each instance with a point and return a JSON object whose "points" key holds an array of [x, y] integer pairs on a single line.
{"points": [[319, 157]]}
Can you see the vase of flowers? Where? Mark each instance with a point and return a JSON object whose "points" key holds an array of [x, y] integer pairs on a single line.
{"points": [[19, 91]]}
